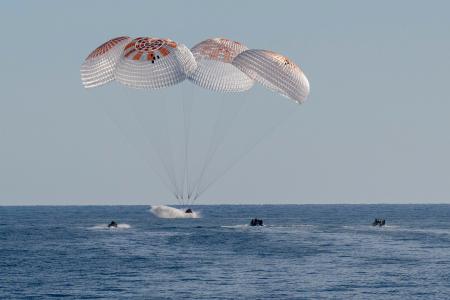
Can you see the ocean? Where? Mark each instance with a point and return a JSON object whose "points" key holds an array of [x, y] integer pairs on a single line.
{"points": [[302, 252]]}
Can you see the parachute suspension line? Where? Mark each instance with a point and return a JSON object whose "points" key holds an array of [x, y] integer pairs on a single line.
{"points": [[221, 123], [218, 135], [161, 158], [214, 133], [159, 152], [187, 112], [137, 149], [170, 150], [266, 133]]}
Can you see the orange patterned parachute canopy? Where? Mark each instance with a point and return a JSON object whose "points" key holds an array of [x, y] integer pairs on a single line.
{"points": [[215, 71], [153, 63]]}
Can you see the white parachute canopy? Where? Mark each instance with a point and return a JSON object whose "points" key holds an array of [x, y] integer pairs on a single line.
{"points": [[99, 66], [275, 72], [215, 71]]}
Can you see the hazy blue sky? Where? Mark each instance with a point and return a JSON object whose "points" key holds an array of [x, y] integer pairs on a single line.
{"points": [[375, 129]]}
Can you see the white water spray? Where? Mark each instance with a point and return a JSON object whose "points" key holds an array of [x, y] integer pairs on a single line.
{"points": [[167, 212]]}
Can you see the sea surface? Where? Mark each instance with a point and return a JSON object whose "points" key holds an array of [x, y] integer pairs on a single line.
{"points": [[303, 252]]}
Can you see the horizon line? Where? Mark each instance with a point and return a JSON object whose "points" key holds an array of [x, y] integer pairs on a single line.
{"points": [[227, 204]]}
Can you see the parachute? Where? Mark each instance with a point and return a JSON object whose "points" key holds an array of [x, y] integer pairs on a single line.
{"points": [[100, 65], [215, 70], [217, 65], [275, 72], [153, 63]]}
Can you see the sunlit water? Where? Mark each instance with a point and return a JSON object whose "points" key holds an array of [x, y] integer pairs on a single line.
{"points": [[303, 252]]}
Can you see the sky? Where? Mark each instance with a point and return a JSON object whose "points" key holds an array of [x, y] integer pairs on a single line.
{"points": [[375, 128]]}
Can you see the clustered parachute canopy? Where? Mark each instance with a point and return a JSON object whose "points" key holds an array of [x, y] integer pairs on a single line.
{"points": [[216, 64], [183, 160]]}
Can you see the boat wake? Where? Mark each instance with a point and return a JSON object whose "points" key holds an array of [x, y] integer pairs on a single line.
{"points": [[167, 212], [235, 226], [105, 226]]}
